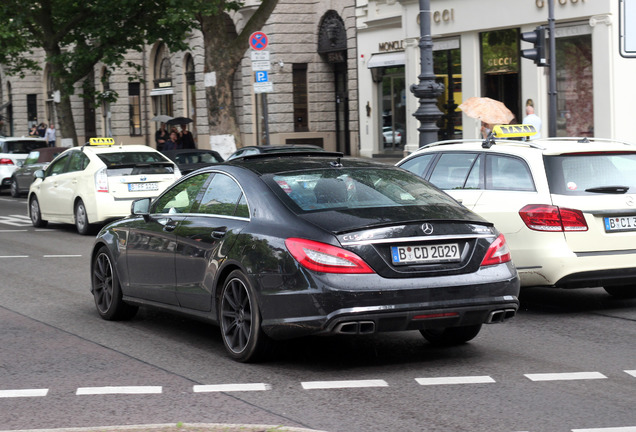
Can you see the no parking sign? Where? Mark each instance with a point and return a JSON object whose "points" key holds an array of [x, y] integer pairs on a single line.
{"points": [[258, 41]]}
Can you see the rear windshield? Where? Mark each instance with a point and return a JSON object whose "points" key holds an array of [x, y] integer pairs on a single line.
{"points": [[352, 188], [589, 173], [133, 163], [24, 146]]}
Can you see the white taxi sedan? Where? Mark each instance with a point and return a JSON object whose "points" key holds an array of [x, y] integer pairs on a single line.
{"points": [[567, 206], [97, 183]]}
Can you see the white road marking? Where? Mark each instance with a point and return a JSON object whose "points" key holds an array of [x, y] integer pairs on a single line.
{"points": [[23, 393], [631, 372], [312, 385], [61, 256], [231, 387], [14, 256], [12, 230], [455, 380], [612, 429], [118, 390], [15, 220], [568, 376]]}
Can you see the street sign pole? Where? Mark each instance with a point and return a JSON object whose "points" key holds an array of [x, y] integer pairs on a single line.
{"points": [[552, 109], [262, 85]]}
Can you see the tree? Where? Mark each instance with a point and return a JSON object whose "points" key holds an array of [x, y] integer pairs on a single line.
{"points": [[224, 49], [75, 36]]}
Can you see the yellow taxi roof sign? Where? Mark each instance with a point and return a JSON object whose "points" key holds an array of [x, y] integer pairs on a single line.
{"points": [[101, 141], [513, 131]]}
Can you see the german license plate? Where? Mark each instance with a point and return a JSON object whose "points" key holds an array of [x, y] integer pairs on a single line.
{"points": [[620, 223], [425, 253], [140, 187]]}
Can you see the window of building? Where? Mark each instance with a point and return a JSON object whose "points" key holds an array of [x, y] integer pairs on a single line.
{"points": [[393, 107], [448, 71], [32, 109], [163, 89], [301, 108], [134, 106], [575, 88]]}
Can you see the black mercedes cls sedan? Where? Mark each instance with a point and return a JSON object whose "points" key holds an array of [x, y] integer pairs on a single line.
{"points": [[271, 247]]}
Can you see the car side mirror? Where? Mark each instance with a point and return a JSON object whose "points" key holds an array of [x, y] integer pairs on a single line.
{"points": [[39, 174], [141, 207]]}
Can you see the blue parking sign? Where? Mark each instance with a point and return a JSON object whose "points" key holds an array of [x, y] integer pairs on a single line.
{"points": [[261, 76]]}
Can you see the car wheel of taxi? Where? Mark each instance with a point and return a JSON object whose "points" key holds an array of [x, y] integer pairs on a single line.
{"points": [[240, 320], [106, 289], [81, 219], [621, 291], [15, 191], [34, 212], [451, 335]]}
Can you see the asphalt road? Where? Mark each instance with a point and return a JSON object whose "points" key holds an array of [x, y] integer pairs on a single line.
{"points": [[566, 362]]}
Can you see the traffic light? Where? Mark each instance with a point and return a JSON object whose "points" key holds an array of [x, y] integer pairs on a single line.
{"points": [[537, 54]]}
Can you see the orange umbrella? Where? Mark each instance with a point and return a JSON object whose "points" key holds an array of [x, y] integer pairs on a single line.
{"points": [[487, 110]]}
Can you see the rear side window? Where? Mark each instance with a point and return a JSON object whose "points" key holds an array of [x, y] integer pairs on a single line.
{"points": [[452, 170], [587, 173], [24, 146], [508, 173]]}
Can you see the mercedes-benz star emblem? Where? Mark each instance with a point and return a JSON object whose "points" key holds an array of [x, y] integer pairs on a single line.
{"points": [[427, 228], [630, 201]]}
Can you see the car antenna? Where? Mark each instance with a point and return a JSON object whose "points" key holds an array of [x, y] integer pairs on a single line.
{"points": [[489, 141]]}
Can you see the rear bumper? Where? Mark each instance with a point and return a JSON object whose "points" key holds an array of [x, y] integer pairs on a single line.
{"points": [[599, 278]]}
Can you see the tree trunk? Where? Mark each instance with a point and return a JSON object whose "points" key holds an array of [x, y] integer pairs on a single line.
{"points": [[65, 120]]}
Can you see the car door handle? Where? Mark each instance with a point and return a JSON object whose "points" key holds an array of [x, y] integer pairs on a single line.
{"points": [[170, 225], [218, 233]]}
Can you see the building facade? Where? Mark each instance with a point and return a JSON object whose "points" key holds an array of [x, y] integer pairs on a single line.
{"points": [[476, 53], [312, 52]]}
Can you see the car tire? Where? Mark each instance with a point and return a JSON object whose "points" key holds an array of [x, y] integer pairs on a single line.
{"points": [[15, 190], [240, 320], [35, 213], [451, 335], [81, 218], [106, 289], [621, 291]]}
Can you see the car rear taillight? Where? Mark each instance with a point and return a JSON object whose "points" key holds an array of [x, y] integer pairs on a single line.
{"points": [[541, 217], [101, 181], [6, 161], [325, 258], [497, 253]]}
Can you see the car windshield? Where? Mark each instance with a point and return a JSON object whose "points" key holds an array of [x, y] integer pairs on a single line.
{"points": [[587, 173], [353, 188], [133, 163]]}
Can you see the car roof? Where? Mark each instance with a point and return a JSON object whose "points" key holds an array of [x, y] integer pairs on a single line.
{"points": [[295, 161], [544, 146]]}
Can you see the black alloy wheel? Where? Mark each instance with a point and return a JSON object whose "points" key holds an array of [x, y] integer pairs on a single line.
{"points": [[34, 212], [15, 190], [240, 320], [451, 335], [106, 289]]}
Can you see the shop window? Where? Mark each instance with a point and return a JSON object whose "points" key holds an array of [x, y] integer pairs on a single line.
{"points": [[134, 108], [575, 90], [447, 66], [301, 109], [393, 108]]}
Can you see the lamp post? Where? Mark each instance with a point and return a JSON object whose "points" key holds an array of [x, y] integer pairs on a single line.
{"points": [[427, 90]]}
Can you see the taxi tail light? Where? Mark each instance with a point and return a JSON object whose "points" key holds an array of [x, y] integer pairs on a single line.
{"points": [[325, 258], [497, 253], [6, 161], [539, 217], [101, 181]]}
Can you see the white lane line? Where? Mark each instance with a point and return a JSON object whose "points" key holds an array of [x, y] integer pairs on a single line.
{"points": [[61, 256], [14, 256], [312, 385], [23, 393], [231, 387], [455, 380], [611, 429], [12, 230], [631, 372], [118, 390], [568, 376]]}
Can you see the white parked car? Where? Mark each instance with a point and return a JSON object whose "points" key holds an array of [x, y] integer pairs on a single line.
{"points": [[97, 183], [567, 206], [13, 152], [389, 134]]}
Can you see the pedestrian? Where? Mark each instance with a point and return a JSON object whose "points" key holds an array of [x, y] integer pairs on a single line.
{"points": [[532, 119], [172, 143], [185, 138], [161, 136], [34, 131], [42, 130], [486, 129], [49, 135]]}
